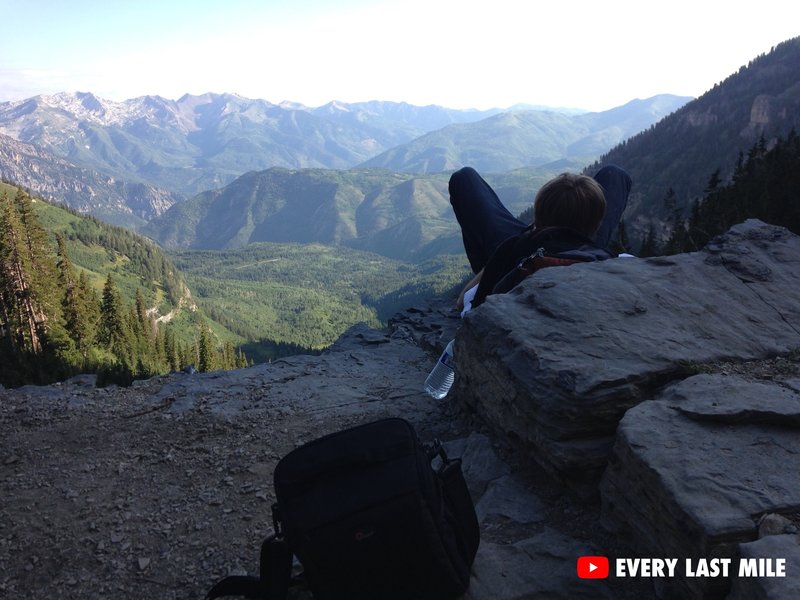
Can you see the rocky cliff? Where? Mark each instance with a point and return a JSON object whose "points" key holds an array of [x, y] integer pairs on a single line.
{"points": [[680, 374], [602, 371], [85, 190]]}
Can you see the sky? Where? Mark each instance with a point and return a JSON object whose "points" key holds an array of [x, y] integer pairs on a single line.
{"points": [[454, 53]]}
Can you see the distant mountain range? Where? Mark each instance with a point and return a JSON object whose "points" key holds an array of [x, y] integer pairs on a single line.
{"points": [[681, 152], [202, 142], [517, 139], [221, 171], [408, 215], [199, 143]]}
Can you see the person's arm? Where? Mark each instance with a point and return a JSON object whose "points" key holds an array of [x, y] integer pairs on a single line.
{"points": [[472, 283]]}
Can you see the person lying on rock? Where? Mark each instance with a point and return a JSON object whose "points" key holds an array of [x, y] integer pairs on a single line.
{"points": [[573, 219]]}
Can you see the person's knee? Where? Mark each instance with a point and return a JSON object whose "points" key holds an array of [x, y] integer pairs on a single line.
{"points": [[613, 172], [613, 177], [460, 181], [464, 174]]}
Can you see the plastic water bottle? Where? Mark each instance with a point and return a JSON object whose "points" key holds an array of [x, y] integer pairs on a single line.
{"points": [[441, 378]]}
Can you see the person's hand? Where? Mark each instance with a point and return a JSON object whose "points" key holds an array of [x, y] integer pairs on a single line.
{"points": [[472, 283]]}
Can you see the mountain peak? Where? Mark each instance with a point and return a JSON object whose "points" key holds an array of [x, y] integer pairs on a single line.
{"points": [[86, 106], [83, 104], [336, 106], [89, 101]]}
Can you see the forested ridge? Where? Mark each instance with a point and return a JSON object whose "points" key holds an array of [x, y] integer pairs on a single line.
{"points": [[765, 185], [55, 322], [680, 152]]}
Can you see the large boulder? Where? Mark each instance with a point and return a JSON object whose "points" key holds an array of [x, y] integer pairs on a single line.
{"points": [[556, 363], [694, 472]]}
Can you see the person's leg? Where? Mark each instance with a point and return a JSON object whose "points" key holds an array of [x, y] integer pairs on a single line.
{"points": [[485, 222], [616, 184]]}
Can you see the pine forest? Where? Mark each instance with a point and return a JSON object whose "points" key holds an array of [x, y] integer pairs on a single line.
{"points": [[55, 323]]}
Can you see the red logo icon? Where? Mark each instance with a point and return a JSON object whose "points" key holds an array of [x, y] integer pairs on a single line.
{"points": [[592, 567]]}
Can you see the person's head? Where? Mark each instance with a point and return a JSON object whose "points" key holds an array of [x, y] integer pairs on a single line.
{"points": [[570, 200]]}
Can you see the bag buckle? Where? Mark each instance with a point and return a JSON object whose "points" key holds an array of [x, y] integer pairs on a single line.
{"points": [[437, 449], [276, 521]]}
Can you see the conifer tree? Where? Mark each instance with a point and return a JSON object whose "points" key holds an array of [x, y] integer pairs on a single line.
{"points": [[650, 244], [12, 339], [194, 354], [113, 332], [160, 351], [171, 349], [713, 182], [764, 186], [189, 355], [136, 317], [35, 342], [74, 311], [241, 360], [24, 320], [228, 356], [52, 322], [669, 200], [144, 325], [91, 304], [9, 310], [620, 243], [39, 263], [205, 351]]}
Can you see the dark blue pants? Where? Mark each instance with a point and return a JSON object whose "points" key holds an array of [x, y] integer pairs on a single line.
{"points": [[486, 223]]}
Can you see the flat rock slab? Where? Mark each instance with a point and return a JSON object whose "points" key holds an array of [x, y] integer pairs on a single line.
{"points": [[692, 471], [431, 326], [507, 497], [556, 362], [480, 462]]}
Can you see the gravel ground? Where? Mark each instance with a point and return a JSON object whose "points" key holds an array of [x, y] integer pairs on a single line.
{"points": [[158, 490]]}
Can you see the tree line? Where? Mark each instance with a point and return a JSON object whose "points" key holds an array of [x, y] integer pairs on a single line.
{"points": [[765, 185], [53, 324]]}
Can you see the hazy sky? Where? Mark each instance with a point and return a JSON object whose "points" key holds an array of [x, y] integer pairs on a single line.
{"points": [[456, 53]]}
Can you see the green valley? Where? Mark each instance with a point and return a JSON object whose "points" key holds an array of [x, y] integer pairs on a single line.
{"points": [[305, 295]]}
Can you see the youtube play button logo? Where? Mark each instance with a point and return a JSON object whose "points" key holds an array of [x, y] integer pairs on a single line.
{"points": [[592, 567]]}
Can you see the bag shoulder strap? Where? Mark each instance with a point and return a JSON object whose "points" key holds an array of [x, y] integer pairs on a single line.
{"points": [[517, 248], [275, 575], [239, 585], [535, 262]]}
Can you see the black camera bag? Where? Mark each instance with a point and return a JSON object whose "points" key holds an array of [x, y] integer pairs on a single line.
{"points": [[369, 518]]}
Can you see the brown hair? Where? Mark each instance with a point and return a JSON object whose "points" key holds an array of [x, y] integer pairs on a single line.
{"points": [[570, 200]]}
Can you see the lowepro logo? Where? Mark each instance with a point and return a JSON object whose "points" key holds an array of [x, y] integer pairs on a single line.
{"points": [[364, 534], [593, 567]]}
